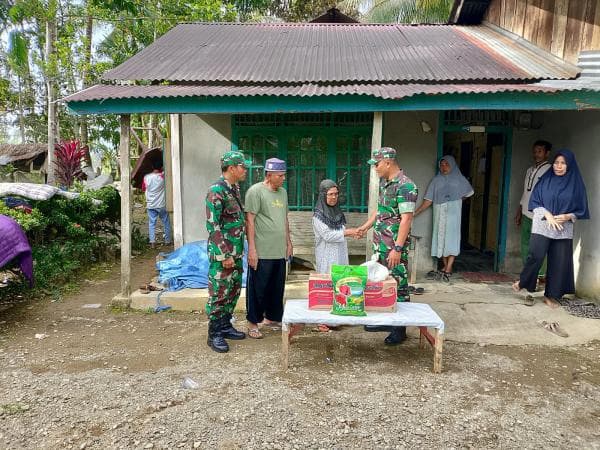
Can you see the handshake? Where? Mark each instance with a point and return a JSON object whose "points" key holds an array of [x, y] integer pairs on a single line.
{"points": [[356, 233]]}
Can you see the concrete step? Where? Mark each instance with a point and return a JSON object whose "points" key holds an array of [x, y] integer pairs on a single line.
{"points": [[195, 299]]}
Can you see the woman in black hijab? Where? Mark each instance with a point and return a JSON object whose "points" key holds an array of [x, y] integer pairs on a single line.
{"points": [[329, 225], [558, 200]]}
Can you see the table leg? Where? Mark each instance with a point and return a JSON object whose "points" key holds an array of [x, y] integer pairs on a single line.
{"points": [[285, 348], [437, 351]]}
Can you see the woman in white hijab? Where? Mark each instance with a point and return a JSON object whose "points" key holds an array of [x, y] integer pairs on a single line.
{"points": [[446, 192]]}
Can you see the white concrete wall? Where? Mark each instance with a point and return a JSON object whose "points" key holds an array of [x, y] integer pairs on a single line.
{"points": [[417, 155], [580, 132], [205, 139]]}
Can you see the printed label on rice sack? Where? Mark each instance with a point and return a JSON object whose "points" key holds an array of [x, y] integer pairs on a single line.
{"points": [[349, 290]]}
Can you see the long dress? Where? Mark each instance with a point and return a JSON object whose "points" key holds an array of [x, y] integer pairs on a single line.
{"points": [[445, 240], [330, 246]]}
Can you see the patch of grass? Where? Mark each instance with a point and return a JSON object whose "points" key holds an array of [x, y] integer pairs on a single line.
{"points": [[13, 408], [117, 308]]}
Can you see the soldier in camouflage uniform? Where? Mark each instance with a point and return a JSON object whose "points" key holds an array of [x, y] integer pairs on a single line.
{"points": [[391, 232], [226, 233]]}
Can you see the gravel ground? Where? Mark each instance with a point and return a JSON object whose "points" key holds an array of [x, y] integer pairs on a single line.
{"points": [[98, 378]]}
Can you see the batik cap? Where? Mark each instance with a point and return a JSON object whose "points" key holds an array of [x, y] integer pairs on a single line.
{"points": [[382, 153], [275, 165], [234, 158]]}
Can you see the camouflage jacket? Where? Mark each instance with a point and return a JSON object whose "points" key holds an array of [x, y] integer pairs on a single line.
{"points": [[224, 222], [396, 196]]}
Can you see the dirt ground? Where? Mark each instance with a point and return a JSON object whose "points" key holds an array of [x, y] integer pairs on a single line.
{"points": [[76, 377]]}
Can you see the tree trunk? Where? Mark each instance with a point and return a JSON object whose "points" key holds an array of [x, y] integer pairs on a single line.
{"points": [[50, 87], [21, 112], [87, 54]]}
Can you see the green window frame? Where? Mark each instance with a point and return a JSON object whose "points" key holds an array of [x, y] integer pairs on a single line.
{"points": [[315, 146]]}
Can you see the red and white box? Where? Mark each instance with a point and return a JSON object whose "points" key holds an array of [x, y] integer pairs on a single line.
{"points": [[379, 295]]}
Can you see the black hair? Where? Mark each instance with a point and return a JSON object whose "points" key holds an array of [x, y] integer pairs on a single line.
{"points": [[541, 143], [157, 164]]}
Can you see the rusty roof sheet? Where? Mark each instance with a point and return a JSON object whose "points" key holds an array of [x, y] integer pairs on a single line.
{"points": [[337, 53], [386, 91]]}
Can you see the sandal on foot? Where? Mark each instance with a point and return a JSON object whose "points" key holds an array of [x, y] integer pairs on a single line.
{"points": [[432, 275], [275, 326], [553, 327], [445, 277], [529, 300], [254, 333]]}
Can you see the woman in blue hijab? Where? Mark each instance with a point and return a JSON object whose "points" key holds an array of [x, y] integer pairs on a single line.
{"points": [[446, 192], [557, 201]]}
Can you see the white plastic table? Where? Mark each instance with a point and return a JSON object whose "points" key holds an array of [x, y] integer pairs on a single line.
{"points": [[296, 314]]}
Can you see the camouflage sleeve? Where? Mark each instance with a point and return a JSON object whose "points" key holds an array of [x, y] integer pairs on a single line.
{"points": [[217, 247], [407, 198]]}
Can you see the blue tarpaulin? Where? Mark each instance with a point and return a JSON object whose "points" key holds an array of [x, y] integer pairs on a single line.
{"points": [[187, 267]]}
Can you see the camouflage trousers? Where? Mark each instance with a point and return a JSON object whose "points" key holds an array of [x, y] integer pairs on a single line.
{"points": [[224, 287], [399, 273]]}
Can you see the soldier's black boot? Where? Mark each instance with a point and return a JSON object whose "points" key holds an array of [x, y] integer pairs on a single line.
{"points": [[228, 331], [397, 336], [215, 337]]}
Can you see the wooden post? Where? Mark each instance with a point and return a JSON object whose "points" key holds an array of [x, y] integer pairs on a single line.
{"points": [[125, 208], [437, 351], [376, 142], [167, 161], [176, 142], [285, 347]]}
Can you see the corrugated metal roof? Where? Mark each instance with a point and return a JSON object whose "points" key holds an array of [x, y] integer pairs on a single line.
{"points": [[390, 91], [336, 53]]}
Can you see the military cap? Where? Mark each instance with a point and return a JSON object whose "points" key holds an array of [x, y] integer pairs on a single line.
{"points": [[382, 153], [234, 158]]}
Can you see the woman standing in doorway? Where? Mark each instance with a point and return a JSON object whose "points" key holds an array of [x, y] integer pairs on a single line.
{"points": [[557, 201], [446, 192]]}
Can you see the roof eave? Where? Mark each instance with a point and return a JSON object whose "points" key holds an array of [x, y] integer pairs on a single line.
{"points": [[559, 100]]}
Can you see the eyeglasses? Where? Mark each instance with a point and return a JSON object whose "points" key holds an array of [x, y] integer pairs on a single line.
{"points": [[333, 194]]}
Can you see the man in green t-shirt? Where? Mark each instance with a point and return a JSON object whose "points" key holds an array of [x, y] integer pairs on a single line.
{"points": [[269, 246]]}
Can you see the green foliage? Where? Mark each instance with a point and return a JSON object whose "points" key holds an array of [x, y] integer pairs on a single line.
{"points": [[139, 242], [34, 222], [67, 236], [7, 170], [80, 215], [402, 11]]}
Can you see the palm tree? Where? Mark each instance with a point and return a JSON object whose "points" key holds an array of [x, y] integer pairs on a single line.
{"points": [[401, 11]]}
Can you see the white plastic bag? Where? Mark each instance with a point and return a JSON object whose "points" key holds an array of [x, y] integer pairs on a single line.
{"points": [[377, 272]]}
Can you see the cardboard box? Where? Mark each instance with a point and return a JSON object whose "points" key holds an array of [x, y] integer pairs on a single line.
{"points": [[379, 296]]}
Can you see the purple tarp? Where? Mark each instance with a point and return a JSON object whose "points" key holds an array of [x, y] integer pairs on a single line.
{"points": [[14, 245]]}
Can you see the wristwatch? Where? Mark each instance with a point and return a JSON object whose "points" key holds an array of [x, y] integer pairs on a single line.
{"points": [[398, 248]]}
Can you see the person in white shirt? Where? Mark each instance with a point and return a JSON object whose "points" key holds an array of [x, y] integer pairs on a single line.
{"points": [[524, 218], [154, 188]]}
